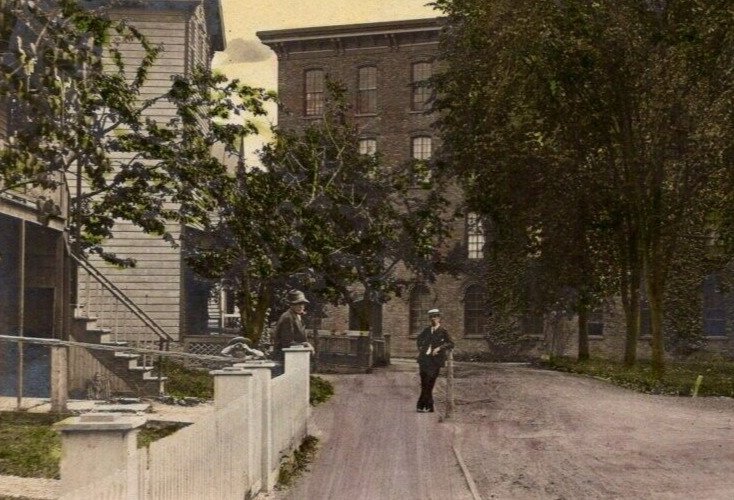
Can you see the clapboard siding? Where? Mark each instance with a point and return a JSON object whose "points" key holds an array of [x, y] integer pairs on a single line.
{"points": [[3, 119], [155, 283]]}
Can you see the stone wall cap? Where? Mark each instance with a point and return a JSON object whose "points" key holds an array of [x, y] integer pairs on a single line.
{"points": [[93, 422], [231, 370], [249, 365]]}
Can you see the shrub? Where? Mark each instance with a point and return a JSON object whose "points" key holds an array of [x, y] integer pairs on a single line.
{"points": [[321, 390], [678, 379]]}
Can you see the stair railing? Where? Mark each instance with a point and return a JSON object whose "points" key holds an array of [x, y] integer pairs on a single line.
{"points": [[101, 299]]}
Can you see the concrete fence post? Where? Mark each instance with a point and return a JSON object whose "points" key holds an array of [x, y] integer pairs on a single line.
{"points": [[261, 371], [95, 446], [298, 369], [59, 378], [230, 383]]}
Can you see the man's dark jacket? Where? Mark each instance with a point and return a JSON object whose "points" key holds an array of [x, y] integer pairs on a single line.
{"points": [[288, 330], [439, 337]]}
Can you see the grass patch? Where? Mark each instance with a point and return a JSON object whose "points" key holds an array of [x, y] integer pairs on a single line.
{"points": [[678, 379], [187, 382], [293, 467], [153, 431], [30, 447], [321, 390]]}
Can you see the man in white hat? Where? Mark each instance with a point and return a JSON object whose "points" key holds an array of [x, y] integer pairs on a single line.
{"points": [[433, 344], [289, 329]]}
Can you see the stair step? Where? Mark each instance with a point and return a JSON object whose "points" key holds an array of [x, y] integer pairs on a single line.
{"points": [[141, 368], [99, 330], [116, 343], [126, 355], [153, 376]]}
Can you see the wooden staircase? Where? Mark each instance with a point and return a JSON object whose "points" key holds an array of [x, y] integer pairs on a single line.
{"points": [[106, 316]]}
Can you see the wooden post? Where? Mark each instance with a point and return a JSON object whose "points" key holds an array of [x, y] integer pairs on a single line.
{"points": [[59, 378], [449, 386], [21, 314]]}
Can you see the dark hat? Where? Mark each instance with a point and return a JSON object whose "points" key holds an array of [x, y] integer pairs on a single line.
{"points": [[434, 312], [297, 297]]}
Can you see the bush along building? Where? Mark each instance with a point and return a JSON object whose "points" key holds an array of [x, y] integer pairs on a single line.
{"points": [[383, 67]]}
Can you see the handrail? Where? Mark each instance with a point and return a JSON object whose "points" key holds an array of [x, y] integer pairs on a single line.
{"points": [[122, 298]]}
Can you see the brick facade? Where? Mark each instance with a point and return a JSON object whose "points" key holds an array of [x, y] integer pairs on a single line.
{"points": [[393, 48]]}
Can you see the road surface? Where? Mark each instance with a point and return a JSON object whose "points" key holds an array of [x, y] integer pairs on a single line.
{"points": [[522, 433]]}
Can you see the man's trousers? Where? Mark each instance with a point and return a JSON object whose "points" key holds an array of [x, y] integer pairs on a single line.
{"points": [[429, 373]]}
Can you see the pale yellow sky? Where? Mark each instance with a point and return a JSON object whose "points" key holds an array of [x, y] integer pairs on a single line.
{"points": [[255, 64]]}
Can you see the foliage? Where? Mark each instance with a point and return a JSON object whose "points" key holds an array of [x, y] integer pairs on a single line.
{"points": [[595, 137], [83, 118], [30, 447], [293, 467], [153, 431], [679, 377], [187, 382], [320, 217], [321, 390]]}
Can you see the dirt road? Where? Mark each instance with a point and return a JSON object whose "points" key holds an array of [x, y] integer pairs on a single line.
{"points": [[523, 434]]}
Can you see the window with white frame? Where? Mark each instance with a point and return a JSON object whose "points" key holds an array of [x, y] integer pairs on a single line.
{"points": [[314, 89], [421, 72], [368, 146], [367, 90], [474, 236], [421, 147]]}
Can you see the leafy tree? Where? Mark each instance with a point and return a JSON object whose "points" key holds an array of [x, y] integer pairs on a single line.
{"points": [[80, 119], [630, 100], [320, 216]]}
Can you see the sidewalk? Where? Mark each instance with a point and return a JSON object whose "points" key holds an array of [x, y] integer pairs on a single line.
{"points": [[374, 445]]}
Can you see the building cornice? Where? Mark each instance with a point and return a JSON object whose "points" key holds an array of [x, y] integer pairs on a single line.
{"points": [[339, 37]]}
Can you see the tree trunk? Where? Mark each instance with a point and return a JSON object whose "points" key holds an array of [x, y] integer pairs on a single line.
{"points": [[630, 282], [583, 354], [655, 285]]}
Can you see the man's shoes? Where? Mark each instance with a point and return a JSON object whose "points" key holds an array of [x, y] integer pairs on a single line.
{"points": [[429, 410], [422, 410]]}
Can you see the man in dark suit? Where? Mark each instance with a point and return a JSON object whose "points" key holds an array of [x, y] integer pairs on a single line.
{"points": [[289, 329], [433, 344]]}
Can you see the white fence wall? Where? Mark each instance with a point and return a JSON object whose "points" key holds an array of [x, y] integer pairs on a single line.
{"points": [[233, 452]]}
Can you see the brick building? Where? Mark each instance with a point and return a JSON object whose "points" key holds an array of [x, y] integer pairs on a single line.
{"points": [[382, 65]]}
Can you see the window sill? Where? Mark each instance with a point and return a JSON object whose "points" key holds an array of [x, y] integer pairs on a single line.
{"points": [[717, 337], [365, 115], [596, 337]]}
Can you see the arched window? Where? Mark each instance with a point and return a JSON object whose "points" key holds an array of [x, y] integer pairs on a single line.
{"points": [[475, 311], [420, 303], [474, 236]]}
